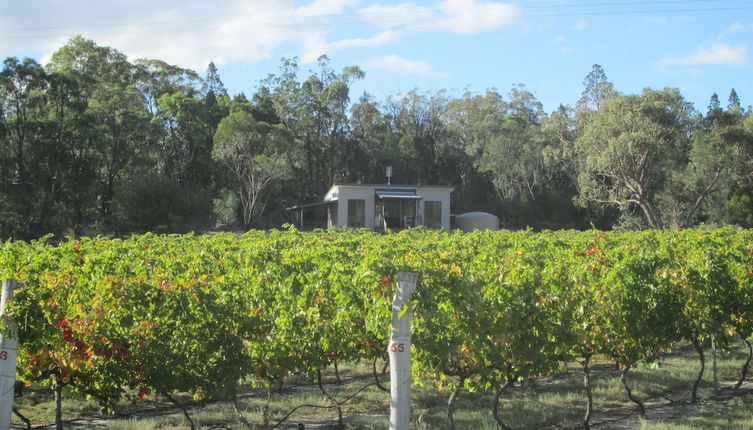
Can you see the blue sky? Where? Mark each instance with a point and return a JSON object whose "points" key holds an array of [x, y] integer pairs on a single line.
{"points": [[698, 46]]}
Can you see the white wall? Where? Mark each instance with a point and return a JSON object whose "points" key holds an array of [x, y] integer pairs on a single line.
{"points": [[437, 195], [345, 193]]}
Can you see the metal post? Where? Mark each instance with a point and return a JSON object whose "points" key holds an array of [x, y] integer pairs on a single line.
{"points": [[8, 354], [399, 351]]}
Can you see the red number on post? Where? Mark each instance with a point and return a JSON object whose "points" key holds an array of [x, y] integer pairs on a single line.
{"points": [[397, 347]]}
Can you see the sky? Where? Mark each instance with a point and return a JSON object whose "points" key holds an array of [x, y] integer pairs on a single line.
{"points": [[699, 46]]}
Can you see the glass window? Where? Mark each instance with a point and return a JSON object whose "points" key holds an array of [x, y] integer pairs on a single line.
{"points": [[356, 213], [433, 214]]}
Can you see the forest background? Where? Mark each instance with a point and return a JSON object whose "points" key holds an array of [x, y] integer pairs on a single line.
{"points": [[92, 143]]}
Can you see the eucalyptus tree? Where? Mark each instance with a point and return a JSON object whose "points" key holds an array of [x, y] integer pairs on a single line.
{"points": [[373, 134], [427, 153], [257, 153], [116, 109], [634, 151], [315, 110], [22, 87]]}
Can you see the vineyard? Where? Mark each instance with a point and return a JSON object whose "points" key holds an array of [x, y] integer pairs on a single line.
{"points": [[106, 318]]}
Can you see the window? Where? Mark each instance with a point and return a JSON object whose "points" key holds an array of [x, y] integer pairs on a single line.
{"points": [[356, 213], [433, 214]]}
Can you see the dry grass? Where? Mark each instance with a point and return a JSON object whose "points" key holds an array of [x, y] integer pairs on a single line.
{"points": [[557, 401]]}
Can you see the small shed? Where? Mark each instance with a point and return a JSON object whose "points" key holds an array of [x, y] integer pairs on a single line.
{"points": [[471, 221]]}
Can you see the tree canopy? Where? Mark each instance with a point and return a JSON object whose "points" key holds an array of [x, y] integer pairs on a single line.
{"points": [[94, 143]]}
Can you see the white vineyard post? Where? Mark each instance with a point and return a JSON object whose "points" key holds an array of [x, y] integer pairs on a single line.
{"points": [[399, 351], [8, 354]]}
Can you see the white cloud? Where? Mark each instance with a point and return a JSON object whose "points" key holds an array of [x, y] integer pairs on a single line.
{"points": [[470, 16], [191, 33], [560, 39], [400, 65], [381, 39], [716, 54], [735, 27], [581, 25], [456, 16], [188, 33], [398, 15]]}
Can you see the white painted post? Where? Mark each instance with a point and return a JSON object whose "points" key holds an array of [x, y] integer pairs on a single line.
{"points": [[399, 352], [8, 354]]}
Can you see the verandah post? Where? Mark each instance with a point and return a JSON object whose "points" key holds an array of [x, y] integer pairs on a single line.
{"points": [[399, 351]]}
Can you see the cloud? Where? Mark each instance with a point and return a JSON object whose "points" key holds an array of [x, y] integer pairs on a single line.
{"points": [[581, 25], [560, 39], [191, 34], [456, 16], [186, 33], [470, 16], [736, 27], [381, 39], [400, 65], [716, 54], [397, 15]]}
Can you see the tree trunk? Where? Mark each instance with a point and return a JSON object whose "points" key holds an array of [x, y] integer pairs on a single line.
{"points": [[589, 393], [335, 403], [182, 408], [630, 395], [239, 414], [376, 377], [495, 408], [451, 403], [699, 349], [23, 418], [746, 366], [337, 372], [57, 390], [265, 408]]}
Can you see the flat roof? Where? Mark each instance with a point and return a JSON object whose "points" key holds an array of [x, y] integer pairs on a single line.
{"points": [[393, 186]]}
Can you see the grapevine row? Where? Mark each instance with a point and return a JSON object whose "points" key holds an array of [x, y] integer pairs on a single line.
{"points": [[190, 313]]}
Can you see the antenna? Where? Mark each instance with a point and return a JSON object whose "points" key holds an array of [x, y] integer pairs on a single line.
{"points": [[388, 171]]}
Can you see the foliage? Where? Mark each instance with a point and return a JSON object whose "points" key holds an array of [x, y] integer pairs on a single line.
{"points": [[200, 313]]}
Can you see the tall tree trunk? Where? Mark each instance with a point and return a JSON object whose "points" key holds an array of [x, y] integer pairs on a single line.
{"points": [[630, 395], [699, 349], [589, 394]]}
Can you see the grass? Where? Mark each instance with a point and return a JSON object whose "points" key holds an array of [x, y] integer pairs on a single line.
{"points": [[558, 400]]}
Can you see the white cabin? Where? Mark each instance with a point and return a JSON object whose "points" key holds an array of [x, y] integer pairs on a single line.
{"points": [[382, 206]]}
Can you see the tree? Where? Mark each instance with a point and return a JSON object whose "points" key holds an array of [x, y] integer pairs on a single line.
{"points": [[631, 150], [116, 111], [22, 85], [733, 101], [257, 153], [714, 104], [597, 90]]}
